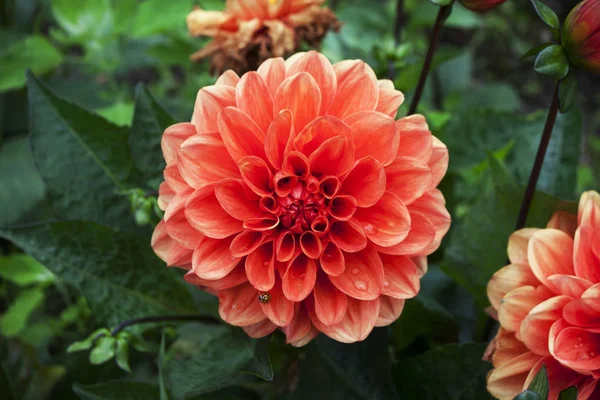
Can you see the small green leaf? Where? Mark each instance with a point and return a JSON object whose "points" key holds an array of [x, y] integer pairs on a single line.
{"points": [[23, 270], [104, 350], [552, 62], [529, 395], [534, 51], [569, 393], [119, 113], [123, 354], [546, 14], [566, 91], [15, 317], [87, 343], [540, 383]]}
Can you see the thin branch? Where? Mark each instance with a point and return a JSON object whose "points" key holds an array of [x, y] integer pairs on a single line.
{"points": [[443, 14]]}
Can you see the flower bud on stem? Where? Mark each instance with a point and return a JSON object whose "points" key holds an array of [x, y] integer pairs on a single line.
{"points": [[443, 14]]}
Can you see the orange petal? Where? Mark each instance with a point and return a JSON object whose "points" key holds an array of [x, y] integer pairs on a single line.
{"points": [[416, 139], [332, 260], [329, 186], [568, 285], [578, 348], [262, 223], [260, 329], [584, 312], [239, 305], [172, 139], [375, 135], [589, 209], [228, 78], [320, 226], [389, 310], [348, 235], [234, 278], [421, 235], [550, 252], [342, 207], [363, 276], [174, 179], [203, 159], [205, 214], [311, 245], [322, 71], [357, 93], [299, 279], [213, 260], [300, 331], [508, 278], [334, 157], [389, 98], [236, 199], [257, 175], [386, 223], [518, 243], [438, 162], [330, 303], [357, 324], [296, 164], [177, 224], [278, 136], [209, 103], [273, 73], [401, 277], [241, 135], [587, 252], [564, 221], [165, 195], [285, 246], [535, 328], [168, 249], [260, 267], [365, 182], [279, 309], [247, 9], [408, 178], [433, 205], [344, 70], [245, 243], [507, 381], [559, 378], [518, 303], [254, 98], [318, 131], [301, 95]]}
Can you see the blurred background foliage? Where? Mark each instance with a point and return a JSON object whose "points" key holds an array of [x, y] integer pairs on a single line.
{"points": [[125, 64]]}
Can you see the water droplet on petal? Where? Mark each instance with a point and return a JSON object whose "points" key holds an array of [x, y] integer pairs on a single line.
{"points": [[386, 283], [369, 228], [355, 271], [265, 263], [360, 285]]}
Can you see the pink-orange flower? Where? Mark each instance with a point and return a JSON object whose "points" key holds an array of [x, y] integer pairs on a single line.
{"points": [[297, 199], [248, 32], [481, 5], [548, 305], [581, 35]]}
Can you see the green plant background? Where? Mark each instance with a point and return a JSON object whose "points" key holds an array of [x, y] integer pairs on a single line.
{"points": [[86, 89]]}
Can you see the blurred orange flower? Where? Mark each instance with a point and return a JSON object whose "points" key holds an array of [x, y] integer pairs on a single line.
{"points": [[548, 305], [581, 35], [248, 32], [297, 199]]}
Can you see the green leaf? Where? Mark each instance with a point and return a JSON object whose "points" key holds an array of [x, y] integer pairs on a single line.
{"points": [[172, 17], [122, 354], [119, 113], [260, 364], [567, 91], [546, 14], [84, 20], [33, 52], [23, 270], [88, 342], [540, 383], [336, 371], [568, 394], [206, 359], [122, 390], [22, 187], [15, 317], [450, 372], [552, 62], [534, 51], [162, 384], [149, 122], [83, 159], [104, 350], [117, 272], [529, 395]]}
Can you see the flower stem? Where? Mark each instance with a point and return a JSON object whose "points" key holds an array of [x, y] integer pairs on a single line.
{"points": [[443, 13], [398, 25], [539, 161], [165, 318]]}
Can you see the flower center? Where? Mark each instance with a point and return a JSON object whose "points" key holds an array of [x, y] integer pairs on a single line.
{"points": [[301, 207]]}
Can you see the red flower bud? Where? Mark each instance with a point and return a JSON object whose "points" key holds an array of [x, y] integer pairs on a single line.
{"points": [[581, 35], [481, 5]]}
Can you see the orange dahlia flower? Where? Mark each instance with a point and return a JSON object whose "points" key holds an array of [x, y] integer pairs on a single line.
{"points": [[297, 199], [548, 305], [248, 32]]}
